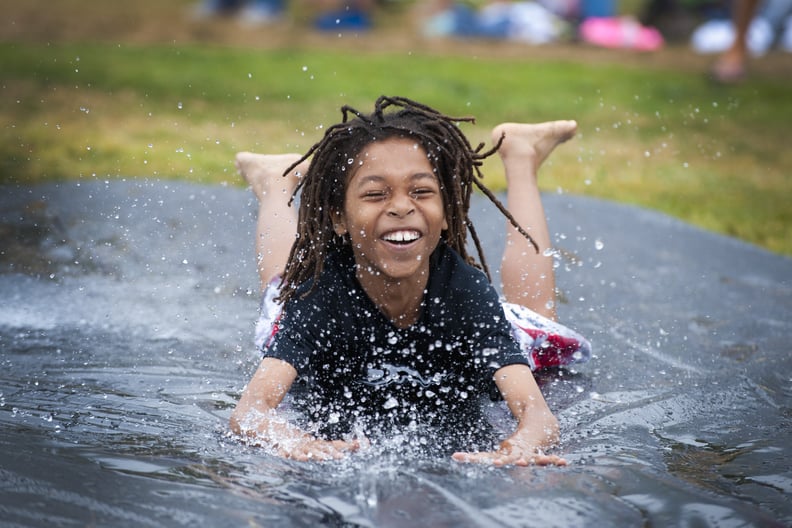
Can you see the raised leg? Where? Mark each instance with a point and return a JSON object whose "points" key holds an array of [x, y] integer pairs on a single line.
{"points": [[528, 278], [730, 66], [276, 226]]}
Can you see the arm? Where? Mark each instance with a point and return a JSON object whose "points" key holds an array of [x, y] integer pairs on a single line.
{"points": [[257, 419], [537, 428]]}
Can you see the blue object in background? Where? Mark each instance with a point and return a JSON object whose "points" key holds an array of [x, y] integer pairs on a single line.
{"points": [[353, 19], [597, 8]]}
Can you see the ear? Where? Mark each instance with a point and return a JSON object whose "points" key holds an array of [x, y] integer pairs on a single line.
{"points": [[339, 223], [445, 224]]}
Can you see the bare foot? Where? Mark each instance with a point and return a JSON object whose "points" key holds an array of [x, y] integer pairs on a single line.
{"points": [[729, 68], [532, 142], [265, 172]]}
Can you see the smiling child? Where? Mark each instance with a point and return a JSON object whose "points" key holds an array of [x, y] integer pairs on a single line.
{"points": [[375, 318]]}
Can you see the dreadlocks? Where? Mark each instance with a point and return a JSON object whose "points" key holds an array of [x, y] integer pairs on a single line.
{"points": [[456, 163]]}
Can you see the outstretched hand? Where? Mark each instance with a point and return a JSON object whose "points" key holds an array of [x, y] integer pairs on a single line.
{"points": [[289, 442], [511, 452], [309, 449], [259, 423], [537, 428]]}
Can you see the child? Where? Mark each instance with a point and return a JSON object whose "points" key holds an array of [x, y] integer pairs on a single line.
{"points": [[377, 310]]}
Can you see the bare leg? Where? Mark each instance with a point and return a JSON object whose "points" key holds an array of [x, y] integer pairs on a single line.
{"points": [[276, 226], [528, 278], [730, 67]]}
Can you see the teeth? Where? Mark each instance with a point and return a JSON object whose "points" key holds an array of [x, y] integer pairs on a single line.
{"points": [[402, 236]]}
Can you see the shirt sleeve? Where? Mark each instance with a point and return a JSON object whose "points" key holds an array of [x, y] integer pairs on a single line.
{"points": [[479, 316], [470, 308], [304, 331], [494, 342]]}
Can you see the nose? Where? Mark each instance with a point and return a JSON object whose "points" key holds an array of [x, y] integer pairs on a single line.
{"points": [[400, 206]]}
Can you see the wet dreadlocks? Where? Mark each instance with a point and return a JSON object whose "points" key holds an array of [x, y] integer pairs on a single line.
{"points": [[456, 162]]}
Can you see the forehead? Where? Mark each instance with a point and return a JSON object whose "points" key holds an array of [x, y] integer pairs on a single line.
{"points": [[392, 154]]}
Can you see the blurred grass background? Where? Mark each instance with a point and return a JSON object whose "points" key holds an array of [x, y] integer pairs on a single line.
{"points": [[140, 90]]}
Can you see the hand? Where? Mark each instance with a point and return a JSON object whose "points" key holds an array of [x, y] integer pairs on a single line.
{"points": [[310, 449], [537, 428], [511, 452], [288, 441]]}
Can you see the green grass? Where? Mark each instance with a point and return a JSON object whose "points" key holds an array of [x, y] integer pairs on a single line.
{"points": [[657, 138]]}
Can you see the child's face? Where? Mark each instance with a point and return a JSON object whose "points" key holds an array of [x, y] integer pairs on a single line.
{"points": [[393, 209]]}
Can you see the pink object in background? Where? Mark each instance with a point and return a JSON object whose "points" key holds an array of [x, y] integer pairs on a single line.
{"points": [[620, 32]]}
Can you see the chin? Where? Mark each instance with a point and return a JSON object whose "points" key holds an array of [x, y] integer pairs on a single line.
{"points": [[401, 273]]}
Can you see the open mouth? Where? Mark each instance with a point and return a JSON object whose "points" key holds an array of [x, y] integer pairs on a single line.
{"points": [[402, 237]]}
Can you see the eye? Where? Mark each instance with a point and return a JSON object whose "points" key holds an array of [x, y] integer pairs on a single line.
{"points": [[374, 195], [423, 192]]}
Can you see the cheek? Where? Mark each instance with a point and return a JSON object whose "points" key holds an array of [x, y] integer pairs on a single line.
{"points": [[357, 234], [441, 216], [358, 225]]}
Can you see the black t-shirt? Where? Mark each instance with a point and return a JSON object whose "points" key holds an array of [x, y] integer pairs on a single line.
{"points": [[359, 371]]}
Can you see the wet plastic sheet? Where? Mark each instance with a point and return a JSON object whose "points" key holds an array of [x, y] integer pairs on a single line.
{"points": [[125, 331]]}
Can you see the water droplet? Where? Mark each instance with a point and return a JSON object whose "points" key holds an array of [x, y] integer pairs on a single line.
{"points": [[390, 403], [598, 244]]}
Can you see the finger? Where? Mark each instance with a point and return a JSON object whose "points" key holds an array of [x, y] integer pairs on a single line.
{"points": [[506, 460], [333, 450], [549, 460], [467, 457], [540, 460], [486, 457], [303, 454], [343, 445], [338, 448], [312, 452]]}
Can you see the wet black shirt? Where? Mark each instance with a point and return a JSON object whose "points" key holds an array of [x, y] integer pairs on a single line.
{"points": [[360, 371]]}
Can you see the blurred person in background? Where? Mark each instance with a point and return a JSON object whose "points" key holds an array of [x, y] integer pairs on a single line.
{"points": [[326, 15], [730, 66], [250, 11], [342, 14], [755, 28]]}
